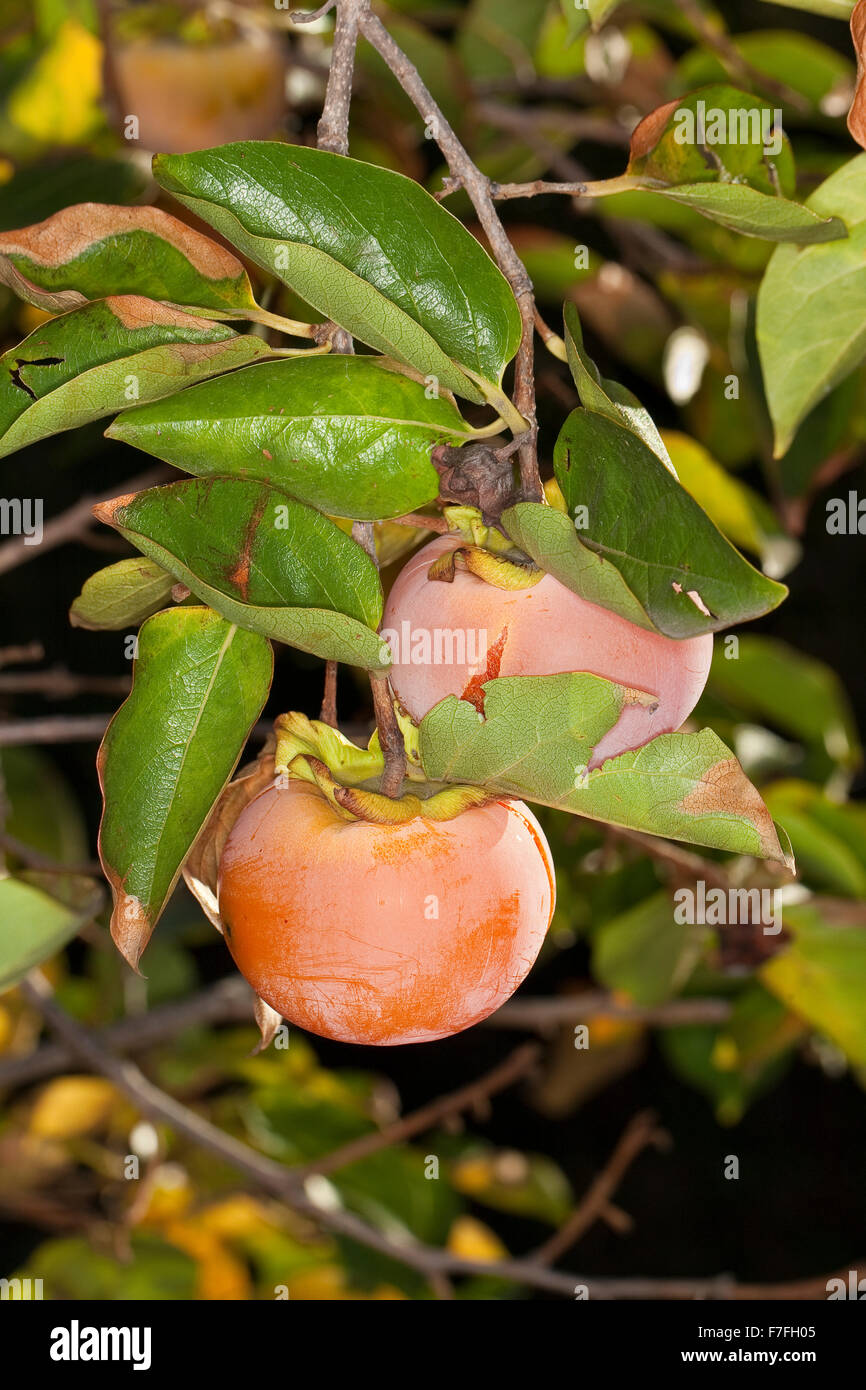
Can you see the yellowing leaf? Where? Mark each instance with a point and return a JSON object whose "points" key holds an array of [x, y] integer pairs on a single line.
{"points": [[72, 1106], [58, 101], [220, 1276], [472, 1240]]}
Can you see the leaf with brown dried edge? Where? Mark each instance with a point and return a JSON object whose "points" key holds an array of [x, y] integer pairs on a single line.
{"points": [[92, 250], [535, 740], [199, 685], [94, 360], [857, 113]]}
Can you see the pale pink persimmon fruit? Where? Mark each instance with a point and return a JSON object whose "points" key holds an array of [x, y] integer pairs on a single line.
{"points": [[538, 631], [383, 934]]}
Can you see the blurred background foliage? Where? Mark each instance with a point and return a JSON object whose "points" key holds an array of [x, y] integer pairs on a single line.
{"points": [[667, 300]]}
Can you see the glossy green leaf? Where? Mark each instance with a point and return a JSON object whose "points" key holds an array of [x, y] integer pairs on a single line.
{"points": [[269, 563], [683, 571], [821, 975], [535, 740], [548, 537], [345, 434], [93, 250], [367, 247], [199, 685], [811, 318], [94, 360], [646, 953], [767, 679], [121, 596], [608, 397], [39, 913]]}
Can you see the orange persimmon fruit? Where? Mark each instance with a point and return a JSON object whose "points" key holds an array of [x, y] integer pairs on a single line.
{"points": [[383, 933]]}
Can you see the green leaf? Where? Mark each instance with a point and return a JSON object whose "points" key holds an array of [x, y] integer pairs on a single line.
{"points": [[828, 837], [271, 564], [93, 250], [535, 740], [715, 151], [199, 685], [95, 359], [41, 810], [672, 557], [345, 434], [833, 9], [497, 37], [645, 953], [790, 691], [549, 538], [367, 247], [121, 596], [608, 397], [811, 317], [39, 913], [821, 976]]}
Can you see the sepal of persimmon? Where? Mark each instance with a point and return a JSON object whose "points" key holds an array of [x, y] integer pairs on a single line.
{"points": [[493, 569], [469, 524], [296, 735]]}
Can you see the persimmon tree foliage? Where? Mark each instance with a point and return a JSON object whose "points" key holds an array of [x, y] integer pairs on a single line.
{"points": [[395, 404], [620, 574]]}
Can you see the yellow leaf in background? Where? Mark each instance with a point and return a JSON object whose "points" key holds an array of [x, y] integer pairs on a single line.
{"points": [[72, 1106], [327, 1283], [221, 1275], [472, 1240], [31, 318], [472, 1176], [236, 1218], [58, 100], [7, 169], [169, 1195]]}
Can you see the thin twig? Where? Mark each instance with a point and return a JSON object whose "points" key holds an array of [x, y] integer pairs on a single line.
{"points": [[333, 129], [71, 524], [328, 712], [543, 1015], [429, 1261], [505, 1074], [21, 656], [477, 186], [60, 728], [43, 862], [61, 684], [733, 61], [639, 1134]]}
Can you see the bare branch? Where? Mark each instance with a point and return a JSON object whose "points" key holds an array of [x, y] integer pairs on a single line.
{"points": [[71, 524], [543, 1015], [505, 1074], [333, 128], [639, 1134]]}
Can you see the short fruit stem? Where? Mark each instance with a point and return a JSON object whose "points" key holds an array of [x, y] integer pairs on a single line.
{"points": [[390, 737]]}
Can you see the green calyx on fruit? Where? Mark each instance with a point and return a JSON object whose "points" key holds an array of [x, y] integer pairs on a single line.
{"points": [[310, 751], [493, 569]]}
